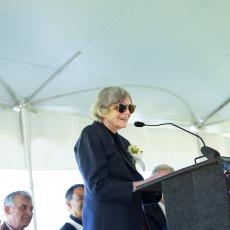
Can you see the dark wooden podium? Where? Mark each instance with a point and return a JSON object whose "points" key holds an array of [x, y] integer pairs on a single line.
{"points": [[196, 197]]}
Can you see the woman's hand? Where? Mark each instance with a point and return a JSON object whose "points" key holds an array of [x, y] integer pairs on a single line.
{"points": [[138, 183]]}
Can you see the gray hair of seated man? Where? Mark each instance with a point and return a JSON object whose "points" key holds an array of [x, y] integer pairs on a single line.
{"points": [[9, 200], [162, 167]]}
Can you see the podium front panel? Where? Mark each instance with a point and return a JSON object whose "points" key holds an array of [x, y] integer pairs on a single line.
{"points": [[197, 199]]}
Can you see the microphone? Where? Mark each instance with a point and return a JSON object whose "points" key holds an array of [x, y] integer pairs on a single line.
{"points": [[139, 124], [208, 152]]}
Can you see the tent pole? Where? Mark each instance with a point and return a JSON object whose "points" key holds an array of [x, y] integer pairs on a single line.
{"points": [[26, 139]]}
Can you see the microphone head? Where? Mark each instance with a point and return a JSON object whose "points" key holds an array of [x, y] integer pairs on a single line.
{"points": [[139, 124], [209, 152]]}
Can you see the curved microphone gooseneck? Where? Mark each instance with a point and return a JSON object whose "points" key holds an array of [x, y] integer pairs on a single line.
{"points": [[207, 152]]}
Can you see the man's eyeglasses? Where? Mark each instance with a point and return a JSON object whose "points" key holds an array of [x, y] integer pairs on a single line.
{"points": [[79, 198], [121, 108]]}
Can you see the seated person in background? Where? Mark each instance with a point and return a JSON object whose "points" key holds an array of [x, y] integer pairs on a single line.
{"points": [[18, 209], [159, 171], [155, 213], [74, 200]]}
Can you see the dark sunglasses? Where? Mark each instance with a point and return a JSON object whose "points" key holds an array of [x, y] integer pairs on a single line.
{"points": [[121, 108]]}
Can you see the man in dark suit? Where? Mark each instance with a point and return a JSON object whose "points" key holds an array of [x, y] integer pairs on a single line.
{"points": [[155, 212], [18, 209], [155, 217], [74, 200]]}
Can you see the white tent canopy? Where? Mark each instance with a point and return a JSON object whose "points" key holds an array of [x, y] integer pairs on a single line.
{"points": [[173, 57]]}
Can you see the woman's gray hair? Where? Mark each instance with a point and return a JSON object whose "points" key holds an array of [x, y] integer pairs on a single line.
{"points": [[105, 98], [9, 200]]}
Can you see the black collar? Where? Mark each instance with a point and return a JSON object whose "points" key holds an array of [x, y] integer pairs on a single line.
{"points": [[74, 218]]}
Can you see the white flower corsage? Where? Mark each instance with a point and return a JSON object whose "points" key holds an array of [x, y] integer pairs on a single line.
{"points": [[137, 154]]}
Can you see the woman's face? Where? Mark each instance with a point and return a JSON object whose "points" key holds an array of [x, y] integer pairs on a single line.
{"points": [[115, 120]]}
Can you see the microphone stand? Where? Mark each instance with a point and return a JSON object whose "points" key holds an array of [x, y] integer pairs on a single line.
{"points": [[210, 153]]}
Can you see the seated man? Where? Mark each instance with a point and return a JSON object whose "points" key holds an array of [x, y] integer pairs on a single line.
{"points": [[74, 200], [18, 209], [155, 213]]}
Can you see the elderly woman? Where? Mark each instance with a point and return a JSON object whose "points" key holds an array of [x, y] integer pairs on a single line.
{"points": [[111, 201]]}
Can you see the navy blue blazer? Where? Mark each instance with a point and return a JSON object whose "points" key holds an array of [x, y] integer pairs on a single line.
{"points": [[155, 217], [108, 173], [68, 226]]}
